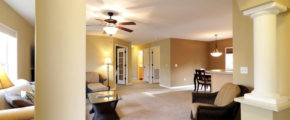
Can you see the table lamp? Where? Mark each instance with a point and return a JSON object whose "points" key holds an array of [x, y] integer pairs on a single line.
{"points": [[4, 80]]}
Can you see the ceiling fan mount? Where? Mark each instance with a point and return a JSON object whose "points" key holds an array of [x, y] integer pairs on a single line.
{"points": [[111, 20]]}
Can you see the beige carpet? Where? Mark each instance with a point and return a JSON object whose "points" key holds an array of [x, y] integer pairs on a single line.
{"points": [[142, 101]]}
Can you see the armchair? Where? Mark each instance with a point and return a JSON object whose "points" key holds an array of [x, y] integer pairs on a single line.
{"points": [[219, 105], [95, 82]]}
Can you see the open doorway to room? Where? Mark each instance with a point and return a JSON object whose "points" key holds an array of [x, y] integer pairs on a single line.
{"points": [[140, 65], [121, 65]]}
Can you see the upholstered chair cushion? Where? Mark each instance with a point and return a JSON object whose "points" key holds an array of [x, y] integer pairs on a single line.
{"points": [[227, 94], [96, 87], [92, 77], [194, 107]]}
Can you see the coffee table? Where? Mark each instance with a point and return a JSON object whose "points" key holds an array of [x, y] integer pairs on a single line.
{"points": [[104, 105]]}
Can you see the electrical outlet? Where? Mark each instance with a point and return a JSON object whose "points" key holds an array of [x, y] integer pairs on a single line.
{"points": [[244, 70], [184, 79]]}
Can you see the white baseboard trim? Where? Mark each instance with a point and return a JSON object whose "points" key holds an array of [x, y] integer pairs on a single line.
{"points": [[177, 87], [164, 86]]}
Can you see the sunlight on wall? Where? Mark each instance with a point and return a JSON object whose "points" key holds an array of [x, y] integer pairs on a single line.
{"points": [[140, 59]]}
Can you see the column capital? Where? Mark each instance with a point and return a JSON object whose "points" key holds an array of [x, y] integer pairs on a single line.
{"points": [[268, 8]]}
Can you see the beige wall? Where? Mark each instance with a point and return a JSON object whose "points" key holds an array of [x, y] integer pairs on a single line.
{"points": [[101, 47], [188, 55], [164, 45], [243, 47], [218, 62], [134, 66], [283, 49], [245, 4], [25, 34]]}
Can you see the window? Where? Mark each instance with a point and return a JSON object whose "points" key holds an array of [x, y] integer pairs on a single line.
{"points": [[229, 59], [8, 51]]}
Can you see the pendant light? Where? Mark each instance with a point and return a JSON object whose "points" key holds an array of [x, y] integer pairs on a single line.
{"points": [[216, 52]]}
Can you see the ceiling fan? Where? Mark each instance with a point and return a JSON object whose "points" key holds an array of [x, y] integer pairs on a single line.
{"points": [[111, 26]]}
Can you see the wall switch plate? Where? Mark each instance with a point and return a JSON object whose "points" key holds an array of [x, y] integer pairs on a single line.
{"points": [[184, 79], [244, 70]]}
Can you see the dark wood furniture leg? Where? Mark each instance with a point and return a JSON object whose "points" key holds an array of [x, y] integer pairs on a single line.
{"points": [[194, 82]]}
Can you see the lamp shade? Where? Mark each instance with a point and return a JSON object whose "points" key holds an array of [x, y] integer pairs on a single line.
{"points": [[4, 80], [216, 53], [108, 60], [111, 30]]}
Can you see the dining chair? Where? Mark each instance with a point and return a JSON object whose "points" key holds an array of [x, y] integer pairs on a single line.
{"points": [[202, 79]]}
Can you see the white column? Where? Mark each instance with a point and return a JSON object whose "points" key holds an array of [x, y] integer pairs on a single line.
{"points": [[265, 63], [60, 59]]}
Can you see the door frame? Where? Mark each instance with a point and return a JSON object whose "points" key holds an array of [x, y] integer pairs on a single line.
{"points": [[151, 62], [127, 66]]}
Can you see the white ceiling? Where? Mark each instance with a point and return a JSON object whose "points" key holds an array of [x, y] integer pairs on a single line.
{"points": [[156, 19], [26, 8]]}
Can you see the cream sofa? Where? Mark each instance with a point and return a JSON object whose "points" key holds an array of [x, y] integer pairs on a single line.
{"points": [[8, 113], [94, 82]]}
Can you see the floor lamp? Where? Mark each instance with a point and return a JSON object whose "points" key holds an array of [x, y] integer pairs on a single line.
{"points": [[108, 61]]}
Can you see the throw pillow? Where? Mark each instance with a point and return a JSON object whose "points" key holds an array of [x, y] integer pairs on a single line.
{"points": [[30, 96], [16, 101], [102, 79]]}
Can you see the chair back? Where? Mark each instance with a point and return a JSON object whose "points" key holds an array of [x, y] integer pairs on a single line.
{"points": [[227, 94], [199, 74]]}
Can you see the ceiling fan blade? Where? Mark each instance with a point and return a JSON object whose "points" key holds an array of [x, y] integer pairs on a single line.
{"points": [[127, 23], [101, 20], [125, 29]]}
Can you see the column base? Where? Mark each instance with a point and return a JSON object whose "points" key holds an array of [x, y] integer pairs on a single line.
{"points": [[268, 100]]}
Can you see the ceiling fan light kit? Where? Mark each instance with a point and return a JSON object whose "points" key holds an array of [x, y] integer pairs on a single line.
{"points": [[216, 52], [111, 30], [113, 25]]}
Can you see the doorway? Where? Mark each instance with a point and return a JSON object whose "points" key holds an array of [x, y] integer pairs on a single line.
{"points": [[154, 64], [121, 65]]}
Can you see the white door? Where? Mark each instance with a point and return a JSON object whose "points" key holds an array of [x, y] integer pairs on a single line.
{"points": [[121, 66], [146, 65], [155, 64]]}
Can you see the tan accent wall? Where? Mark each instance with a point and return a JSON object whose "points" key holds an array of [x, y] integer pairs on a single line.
{"points": [[25, 35], [164, 59], [218, 62], [188, 55], [101, 47]]}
